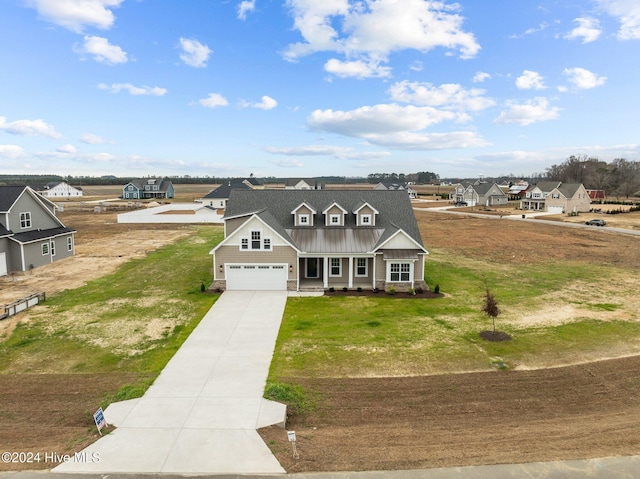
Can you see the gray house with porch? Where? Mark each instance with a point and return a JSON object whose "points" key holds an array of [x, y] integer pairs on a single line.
{"points": [[317, 239]]}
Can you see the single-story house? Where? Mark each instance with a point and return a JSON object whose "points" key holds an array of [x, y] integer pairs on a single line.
{"points": [[60, 190], [396, 186], [318, 239], [218, 198], [484, 194], [302, 184], [30, 233], [556, 197], [148, 188]]}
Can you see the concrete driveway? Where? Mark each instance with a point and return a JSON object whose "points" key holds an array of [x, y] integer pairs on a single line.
{"points": [[201, 414]]}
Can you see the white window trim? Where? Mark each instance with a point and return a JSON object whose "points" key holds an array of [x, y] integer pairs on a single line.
{"points": [[366, 268], [363, 222], [249, 242], [334, 216], [27, 220], [70, 243], [52, 248], [303, 223], [400, 280], [45, 249], [339, 275]]}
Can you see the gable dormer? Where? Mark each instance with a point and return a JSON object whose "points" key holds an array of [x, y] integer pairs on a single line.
{"points": [[334, 215], [365, 214], [303, 215]]}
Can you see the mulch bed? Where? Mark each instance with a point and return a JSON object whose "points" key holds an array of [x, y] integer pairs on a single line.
{"points": [[379, 293], [495, 336]]}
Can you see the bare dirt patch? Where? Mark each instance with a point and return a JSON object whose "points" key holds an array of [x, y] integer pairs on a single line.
{"points": [[465, 419]]}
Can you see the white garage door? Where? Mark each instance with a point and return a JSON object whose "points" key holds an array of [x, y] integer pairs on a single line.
{"points": [[3, 264], [256, 277], [555, 209]]}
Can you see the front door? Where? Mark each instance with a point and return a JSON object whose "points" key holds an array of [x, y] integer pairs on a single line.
{"points": [[312, 268]]}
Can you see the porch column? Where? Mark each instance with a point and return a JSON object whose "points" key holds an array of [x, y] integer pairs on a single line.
{"points": [[325, 272], [373, 275], [350, 272]]}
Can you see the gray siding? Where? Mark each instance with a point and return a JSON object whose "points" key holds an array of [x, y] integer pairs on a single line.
{"points": [[40, 217]]}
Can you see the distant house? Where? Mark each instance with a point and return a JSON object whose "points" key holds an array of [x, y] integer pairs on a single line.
{"points": [[596, 194], [302, 184], [301, 240], [485, 194], [218, 198], [148, 188], [60, 190], [30, 233], [556, 197], [457, 195], [517, 192], [395, 187]]}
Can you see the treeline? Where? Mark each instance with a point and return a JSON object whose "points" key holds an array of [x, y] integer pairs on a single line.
{"points": [[423, 177], [619, 178]]}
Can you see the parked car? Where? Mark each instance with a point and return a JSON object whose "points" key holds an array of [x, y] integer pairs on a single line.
{"points": [[596, 222], [460, 203]]}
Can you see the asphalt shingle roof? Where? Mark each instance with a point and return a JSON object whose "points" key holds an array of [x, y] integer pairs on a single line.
{"points": [[275, 207], [36, 235], [9, 195]]}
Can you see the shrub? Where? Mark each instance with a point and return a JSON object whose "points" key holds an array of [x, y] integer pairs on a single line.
{"points": [[359, 289], [391, 291], [345, 289], [436, 289], [331, 289], [202, 287]]}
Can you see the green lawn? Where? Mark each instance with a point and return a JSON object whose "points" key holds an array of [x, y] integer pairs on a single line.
{"points": [[385, 335], [133, 320]]}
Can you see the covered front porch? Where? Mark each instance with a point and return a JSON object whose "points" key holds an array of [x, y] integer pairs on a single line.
{"points": [[317, 273]]}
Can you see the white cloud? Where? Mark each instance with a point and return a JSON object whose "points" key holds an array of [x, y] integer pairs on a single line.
{"points": [[267, 103], [357, 69], [214, 100], [530, 80], [67, 149], [628, 14], [339, 152], [194, 53], [75, 15], [449, 96], [368, 31], [245, 7], [12, 152], [588, 30], [92, 139], [133, 90], [480, 77], [394, 126], [531, 111], [29, 128], [583, 79], [103, 51], [288, 163]]}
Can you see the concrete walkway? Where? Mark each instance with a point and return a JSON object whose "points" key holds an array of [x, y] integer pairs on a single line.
{"points": [[201, 414]]}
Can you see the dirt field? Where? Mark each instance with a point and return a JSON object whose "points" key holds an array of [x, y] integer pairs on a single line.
{"points": [[582, 411]]}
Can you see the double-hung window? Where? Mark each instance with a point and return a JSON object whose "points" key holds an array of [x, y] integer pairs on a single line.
{"points": [[361, 266], [400, 272], [25, 220], [45, 249], [255, 240], [335, 268]]}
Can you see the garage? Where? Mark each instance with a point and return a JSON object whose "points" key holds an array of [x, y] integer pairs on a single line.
{"points": [[555, 209], [256, 277]]}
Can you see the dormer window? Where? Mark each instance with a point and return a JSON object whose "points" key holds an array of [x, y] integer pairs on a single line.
{"points": [[365, 220], [303, 220], [334, 220]]}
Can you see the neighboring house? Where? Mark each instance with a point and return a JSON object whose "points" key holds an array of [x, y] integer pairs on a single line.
{"points": [[457, 194], [30, 233], [517, 192], [396, 186], [297, 240], [218, 198], [556, 197], [148, 188], [60, 190], [302, 184], [596, 194], [485, 194]]}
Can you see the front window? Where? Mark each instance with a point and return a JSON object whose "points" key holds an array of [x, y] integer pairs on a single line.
{"points": [[361, 267], [335, 268], [400, 272], [255, 240], [244, 243], [25, 220]]}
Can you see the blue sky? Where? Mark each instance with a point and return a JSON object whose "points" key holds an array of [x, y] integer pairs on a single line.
{"points": [[292, 88]]}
